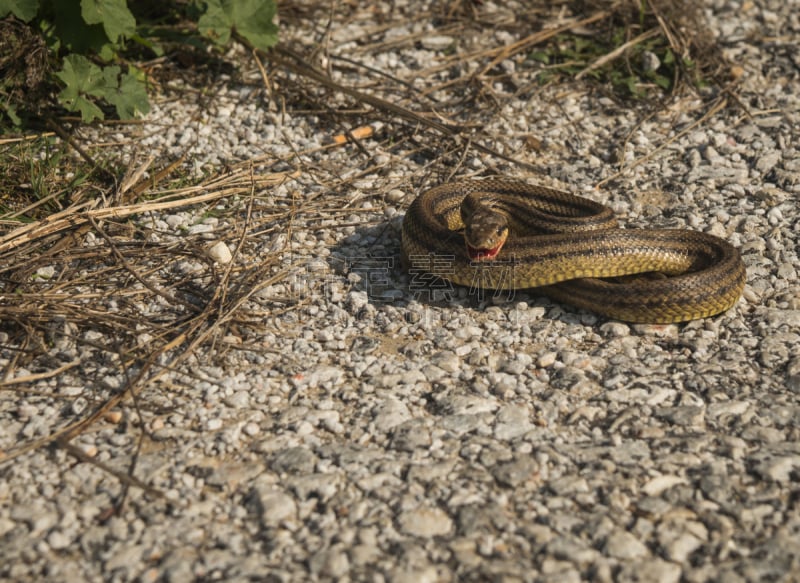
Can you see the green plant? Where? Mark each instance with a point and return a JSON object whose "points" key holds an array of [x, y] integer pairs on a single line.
{"points": [[88, 42], [572, 54], [641, 49], [39, 178], [250, 18]]}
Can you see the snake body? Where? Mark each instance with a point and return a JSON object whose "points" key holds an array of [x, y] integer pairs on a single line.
{"points": [[564, 243]]}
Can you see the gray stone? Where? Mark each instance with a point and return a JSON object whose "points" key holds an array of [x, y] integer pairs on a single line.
{"points": [[294, 460], [515, 473], [273, 506], [410, 435]]}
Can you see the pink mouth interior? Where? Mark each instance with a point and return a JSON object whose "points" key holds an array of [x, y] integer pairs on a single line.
{"points": [[482, 254]]}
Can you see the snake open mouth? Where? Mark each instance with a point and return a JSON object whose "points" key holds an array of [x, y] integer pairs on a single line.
{"points": [[480, 254]]}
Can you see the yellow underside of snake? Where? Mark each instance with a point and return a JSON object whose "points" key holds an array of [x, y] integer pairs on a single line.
{"points": [[571, 247]]}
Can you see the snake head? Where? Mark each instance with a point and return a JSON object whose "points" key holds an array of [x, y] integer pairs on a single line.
{"points": [[486, 230]]}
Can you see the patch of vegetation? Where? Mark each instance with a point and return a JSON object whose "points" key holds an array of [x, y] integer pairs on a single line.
{"points": [[78, 53], [38, 178], [640, 49]]}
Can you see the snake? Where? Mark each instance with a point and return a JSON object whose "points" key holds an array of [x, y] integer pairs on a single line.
{"points": [[508, 234]]}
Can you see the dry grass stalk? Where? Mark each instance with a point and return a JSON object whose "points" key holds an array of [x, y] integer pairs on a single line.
{"points": [[101, 288]]}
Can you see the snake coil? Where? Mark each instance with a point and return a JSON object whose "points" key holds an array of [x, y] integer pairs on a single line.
{"points": [[565, 244]]}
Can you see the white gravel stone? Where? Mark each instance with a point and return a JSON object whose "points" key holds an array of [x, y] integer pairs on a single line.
{"points": [[220, 252], [660, 484], [331, 563], [437, 42], [546, 360], [679, 548], [779, 469], [624, 545], [425, 522], [58, 540]]}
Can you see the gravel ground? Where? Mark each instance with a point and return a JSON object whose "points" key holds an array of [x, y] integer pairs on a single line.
{"points": [[380, 432]]}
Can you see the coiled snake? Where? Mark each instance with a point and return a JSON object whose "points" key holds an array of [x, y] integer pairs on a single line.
{"points": [[509, 235]]}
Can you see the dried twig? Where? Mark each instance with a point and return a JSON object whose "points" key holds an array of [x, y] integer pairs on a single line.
{"points": [[616, 53], [170, 199], [291, 60]]}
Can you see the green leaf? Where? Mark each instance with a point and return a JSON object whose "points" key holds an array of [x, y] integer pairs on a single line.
{"points": [[81, 77], [625, 83], [250, 18], [11, 112], [253, 20], [25, 10], [130, 98], [88, 110], [84, 79], [662, 81], [581, 44], [113, 15], [540, 56], [215, 23], [143, 40], [73, 32]]}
